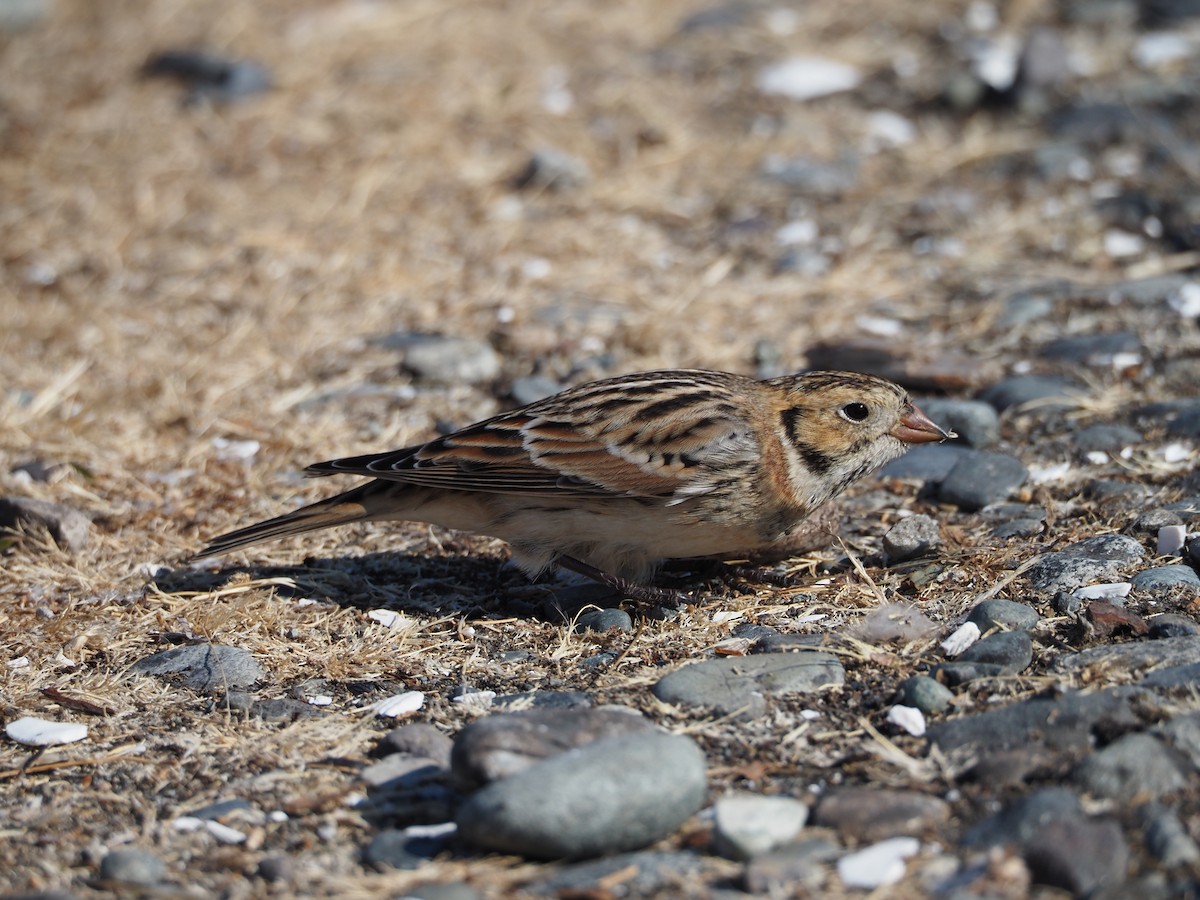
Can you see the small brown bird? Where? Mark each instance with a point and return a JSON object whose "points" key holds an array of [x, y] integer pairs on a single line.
{"points": [[613, 477]]}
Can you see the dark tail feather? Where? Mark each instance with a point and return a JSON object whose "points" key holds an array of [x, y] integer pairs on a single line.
{"points": [[339, 510]]}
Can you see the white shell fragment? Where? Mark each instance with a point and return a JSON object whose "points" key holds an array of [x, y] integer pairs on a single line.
{"points": [[223, 833], [475, 700], [1047, 474], [19, 662], [388, 618], [1114, 591], [877, 865], [1171, 539], [909, 718], [807, 77], [964, 636], [35, 732], [399, 704], [235, 450]]}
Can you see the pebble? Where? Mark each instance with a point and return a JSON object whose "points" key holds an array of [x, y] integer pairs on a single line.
{"points": [[648, 874], [523, 700], [877, 865], [1183, 731], [71, 529], [747, 825], [807, 77], [1154, 520], [1161, 578], [1061, 723], [1049, 393], [209, 76], [396, 848], [1170, 625], [1133, 657], [551, 169], [1019, 822], [399, 771], [815, 178], [924, 693], [873, 814], [974, 421], [926, 462], [1078, 855], [604, 620], [207, 667], [1007, 615], [797, 865], [277, 868], [531, 388], [1186, 424], [416, 739], [1012, 651], [502, 745], [445, 359], [1107, 619], [283, 709], [133, 866], [1105, 438], [1136, 765], [611, 796], [1095, 559], [980, 478], [730, 684], [1167, 837], [1092, 349], [912, 536]]}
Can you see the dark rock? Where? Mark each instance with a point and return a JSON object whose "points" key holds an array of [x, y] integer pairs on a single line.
{"points": [[797, 865], [1094, 349], [1149, 522], [604, 620], [1167, 837], [1050, 394], [924, 693], [648, 874], [746, 825], [1186, 424], [223, 810], [1182, 732], [500, 746], [1162, 578], [550, 169], [209, 76], [1133, 657], [204, 667], [1078, 855], [1097, 124], [925, 462], [1134, 767], [1021, 822], [1185, 676], [866, 815], [1170, 625], [1062, 723], [543, 700], [974, 421], [959, 673], [277, 868], [980, 478], [1012, 651], [738, 684], [1092, 560], [71, 529], [1008, 615], [610, 796], [1168, 13], [416, 739], [911, 537], [399, 771], [133, 866], [285, 709], [1105, 438], [395, 848]]}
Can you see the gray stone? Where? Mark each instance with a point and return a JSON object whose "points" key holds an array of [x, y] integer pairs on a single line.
{"points": [[399, 771], [531, 388], [1041, 392], [646, 874], [551, 169], [443, 359], [1170, 625], [1133, 657], [395, 848], [1182, 732], [1062, 723], [1008, 615], [1105, 438], [285, 709], [416, 739], [499, 746], [1092, 560], [604, 620], [209, 76], [204, 667], [1012, 651], [801, 864], [1186, 424], [731, 684], [866, 815], [1093, 349], [1185, 676], [132, 866], [1149, 522], [523, 700], [959, 673], [610, 796], [70, 528], [1022, 820], [22, 15], [1167, 838], [925, 462], [1078, 855], [1160, 578], [746, 825], [911, 537], [277, 868], [1136, 766], [974, 421], [924, 693], [980, 478]]}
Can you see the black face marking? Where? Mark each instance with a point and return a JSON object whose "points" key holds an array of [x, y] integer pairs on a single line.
{"points": [[817, 460]]}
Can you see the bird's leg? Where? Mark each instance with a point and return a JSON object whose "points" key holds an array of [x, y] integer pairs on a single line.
{"points": [[643, 593], [765, 576]]}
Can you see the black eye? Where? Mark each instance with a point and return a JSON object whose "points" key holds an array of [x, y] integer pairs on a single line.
{"points": [[856, 412]]}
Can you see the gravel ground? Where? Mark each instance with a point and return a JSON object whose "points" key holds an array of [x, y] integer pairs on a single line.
{"points": [[240, 238]]}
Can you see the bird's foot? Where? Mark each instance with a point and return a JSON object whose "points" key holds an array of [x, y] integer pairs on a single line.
{"points": [[643, 593]]}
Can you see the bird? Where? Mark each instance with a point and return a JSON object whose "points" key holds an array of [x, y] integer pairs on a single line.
{"points": [[613, 477]]}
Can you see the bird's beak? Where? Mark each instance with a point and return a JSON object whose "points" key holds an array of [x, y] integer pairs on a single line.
{"points": [[915, 427]]}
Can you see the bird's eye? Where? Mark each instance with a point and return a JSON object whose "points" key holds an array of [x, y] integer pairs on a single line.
{"points": [[855, 412]]}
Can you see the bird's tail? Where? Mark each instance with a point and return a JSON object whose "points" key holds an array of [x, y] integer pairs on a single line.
{"points": [[352, 506]]}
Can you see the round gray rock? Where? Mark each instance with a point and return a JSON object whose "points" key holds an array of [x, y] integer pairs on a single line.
{"points": [[205, 667], [746, 825], [1004, 614], [974, 421], [1136, 765], [608, 797], [980, 478], [911, 537], [1166, 577], [730, 684], [924, 693], [133, 866]]}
